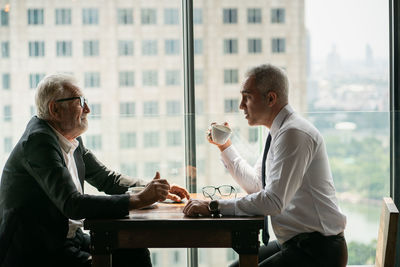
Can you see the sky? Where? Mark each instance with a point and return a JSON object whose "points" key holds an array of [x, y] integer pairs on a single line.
{"points": [[349, 25]]}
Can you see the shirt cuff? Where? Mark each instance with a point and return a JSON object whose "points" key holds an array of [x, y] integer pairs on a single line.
{"points": [[229, 154], [226, 206]]}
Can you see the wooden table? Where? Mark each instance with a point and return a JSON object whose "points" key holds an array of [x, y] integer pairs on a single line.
{"points": [[167, 227]]}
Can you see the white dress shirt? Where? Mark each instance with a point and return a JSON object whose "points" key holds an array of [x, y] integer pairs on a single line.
{"points": [[299, 194]]}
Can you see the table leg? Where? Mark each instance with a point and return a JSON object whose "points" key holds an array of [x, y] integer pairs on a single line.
{"points": [[101, 260], [248, 260]]}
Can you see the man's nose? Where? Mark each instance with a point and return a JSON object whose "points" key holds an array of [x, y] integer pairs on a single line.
{"points": [[86, 108]]}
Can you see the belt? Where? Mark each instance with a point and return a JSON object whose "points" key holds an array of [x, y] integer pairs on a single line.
{"points": [[304, 236]]}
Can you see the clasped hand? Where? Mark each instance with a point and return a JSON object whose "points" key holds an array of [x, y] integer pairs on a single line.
{"points": [[196, 207]]}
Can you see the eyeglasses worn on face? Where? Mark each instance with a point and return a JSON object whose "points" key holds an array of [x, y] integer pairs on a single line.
{"points": [[83, 100], [223, 190]]}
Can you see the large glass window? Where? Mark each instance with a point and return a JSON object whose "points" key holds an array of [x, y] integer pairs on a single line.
{"points": [[5, 49], [171, 16], [125, 16], [34, 79], [35, 16], [148, 16], [64, 48], [90, 16], [3, 18], [91, 48], [230, 15], [36, 49], [125, 48], [230, 46], [6, 81], [254, 15], [63, 16]]}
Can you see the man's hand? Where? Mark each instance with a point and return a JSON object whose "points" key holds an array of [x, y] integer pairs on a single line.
{"points": [[209, 138], [156, 190], [196, 207], [177, 193]]}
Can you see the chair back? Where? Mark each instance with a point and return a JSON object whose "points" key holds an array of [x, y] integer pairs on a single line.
{"points": [[386, 246]]}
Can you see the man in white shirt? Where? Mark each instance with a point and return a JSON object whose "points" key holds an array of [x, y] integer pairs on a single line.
{"points": [[291, 182]]}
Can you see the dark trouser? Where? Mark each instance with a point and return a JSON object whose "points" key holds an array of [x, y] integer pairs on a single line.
{"points": [[76, 252], [304, 250]]}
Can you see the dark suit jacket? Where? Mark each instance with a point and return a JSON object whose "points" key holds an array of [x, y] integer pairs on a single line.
{"points": [[37, 196]]}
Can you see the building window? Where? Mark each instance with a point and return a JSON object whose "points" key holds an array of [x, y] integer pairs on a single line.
{"points": [[200, 138], [176, 258], [90, 16], [32, 110], [172, 47], [34, 79], [63, 16], [198, 46], [278, 45], [199, 107], [5, 49], [35, 16], [3, 18], [253, 134], [149, 47], [174, 138], [150, 169], [91, 48], [154, 258], [230, 15], [254, 15], [150, 78], [95, 111], [94, 142], [125, 16], [7, 113], [126, 78], [151, 139], [171, 16], [7, 144], [6, 81], [254, 46], [150, 108], [92, 79], [172, 77], [198, 77], [129, 169], [173, 107], [230, 46], [148, 16], [127, 109], [127, 140], [231, 76], [197, 16], [174, 168], [125, 48], [278, 15], [36, 49], [231, 106], [64, 48]]}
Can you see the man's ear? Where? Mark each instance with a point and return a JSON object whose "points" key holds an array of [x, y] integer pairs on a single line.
{"points": [[53, 109], [271, 98]]}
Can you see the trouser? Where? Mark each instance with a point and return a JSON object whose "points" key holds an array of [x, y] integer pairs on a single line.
{"points": [[76, 252], [304, 250]]}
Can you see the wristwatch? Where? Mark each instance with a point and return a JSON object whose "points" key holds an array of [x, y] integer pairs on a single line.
{"points": [[213, 207]]}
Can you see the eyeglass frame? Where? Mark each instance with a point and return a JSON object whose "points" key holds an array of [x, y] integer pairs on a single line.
{"points": [[216, 188], [83, 100]]}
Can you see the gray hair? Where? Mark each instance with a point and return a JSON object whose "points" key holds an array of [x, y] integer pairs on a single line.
{"points": [[51, 87], [270, 78]]}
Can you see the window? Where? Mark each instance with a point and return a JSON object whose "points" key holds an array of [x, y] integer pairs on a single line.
{"points": [[90, 48], [199, 106], [95, 111], [197, 16], [35, 16], [278, 15], [254, 46], [198, 77], [231, 106], [173, 107], [198, 46], [172, 77], [253, 134], [7, 113], [254, 15], [126, 78], [92, 79], [176, 258], [64, 48], [230, 46], [125, 16], [200, 137], [174, 168], [34, 79], [149, 16], [149, 47], [278, 45], [94, 142], [8, 144], [231, 76], [125, 48], [3, 18], [230, 16], [150, 169], [127, 109], [32, 110], [36, 49], [6, 81], [5, 49], [63, 16], [127, 140], [151, 139], [90, 16], [171, 16], [174, 138], [130, 169], [150, 78], [150, 108], [172, 47]]}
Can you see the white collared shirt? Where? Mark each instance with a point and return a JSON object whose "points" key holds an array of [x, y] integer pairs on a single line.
{"points": [[299, 194], [68, 148]]}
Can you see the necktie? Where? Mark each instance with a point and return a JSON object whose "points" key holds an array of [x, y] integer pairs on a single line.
{"points": [[265, 235]]}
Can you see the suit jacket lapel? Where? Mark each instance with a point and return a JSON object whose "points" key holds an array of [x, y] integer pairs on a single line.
{"points": [[80, 165]]}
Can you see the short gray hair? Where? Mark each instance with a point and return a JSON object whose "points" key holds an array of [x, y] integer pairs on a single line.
{"points": [[270, 78], [49, 88]]}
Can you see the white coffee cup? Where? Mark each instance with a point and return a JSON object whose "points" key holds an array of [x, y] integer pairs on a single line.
{"points": [[220, 133]]}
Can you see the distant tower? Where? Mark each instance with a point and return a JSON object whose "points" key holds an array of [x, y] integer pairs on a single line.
{"points": [[333, 60]]}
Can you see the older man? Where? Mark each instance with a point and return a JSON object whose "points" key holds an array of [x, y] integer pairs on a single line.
{"points": [[291, 182], [42, 200]]}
